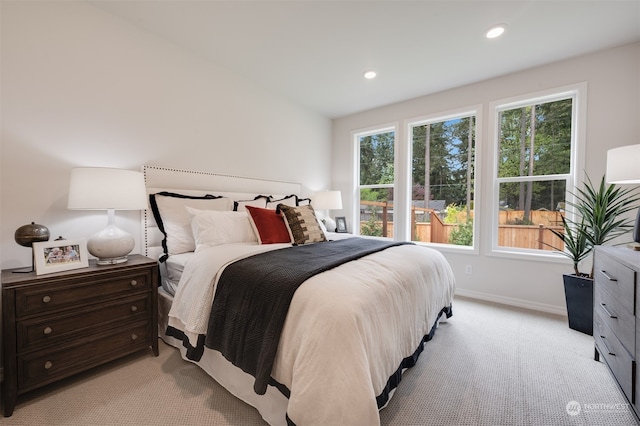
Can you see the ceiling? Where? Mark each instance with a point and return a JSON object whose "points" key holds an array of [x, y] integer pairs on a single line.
{"points": [[315, 52]]}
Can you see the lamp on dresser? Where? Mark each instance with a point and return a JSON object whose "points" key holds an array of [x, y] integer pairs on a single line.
{"points": [[623, 167], [328, 200], [95, 188]]}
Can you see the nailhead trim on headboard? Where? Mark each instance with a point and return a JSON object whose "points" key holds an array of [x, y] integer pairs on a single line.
{"points": [[176, 179]]}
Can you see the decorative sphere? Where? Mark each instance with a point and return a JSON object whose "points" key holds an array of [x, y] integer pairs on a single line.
{"points": [[26, 235]]}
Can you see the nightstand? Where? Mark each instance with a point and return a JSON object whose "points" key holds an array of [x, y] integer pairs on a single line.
{"points": [[59, 324]]}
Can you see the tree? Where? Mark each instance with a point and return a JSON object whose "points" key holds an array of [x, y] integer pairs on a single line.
{"points": [[442, 161], [535, 140], [377, 159]]}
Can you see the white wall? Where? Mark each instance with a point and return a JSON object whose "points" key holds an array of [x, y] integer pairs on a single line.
{"points": [[613, 113], [81, 87]]}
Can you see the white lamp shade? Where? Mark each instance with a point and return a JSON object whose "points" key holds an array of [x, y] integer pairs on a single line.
{"points": [[327, 200], [93, 188], [623, 164]]}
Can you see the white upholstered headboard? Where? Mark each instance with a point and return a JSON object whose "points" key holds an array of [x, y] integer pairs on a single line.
{"points": [[191, 182]]}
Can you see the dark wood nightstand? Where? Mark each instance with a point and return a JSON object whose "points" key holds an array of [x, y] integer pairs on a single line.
{"points": [[59, 324]]}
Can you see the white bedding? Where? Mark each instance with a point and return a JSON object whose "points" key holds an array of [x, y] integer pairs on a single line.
{"points": [[347, 330], [171, 271], [192, 301]]}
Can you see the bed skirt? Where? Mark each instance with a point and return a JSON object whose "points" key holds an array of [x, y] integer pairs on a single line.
{"points": [[272, 406]]}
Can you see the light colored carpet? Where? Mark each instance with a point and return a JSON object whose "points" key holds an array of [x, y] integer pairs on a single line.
{"points": [[488, 365]]}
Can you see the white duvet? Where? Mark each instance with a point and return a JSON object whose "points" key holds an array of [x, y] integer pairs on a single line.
{"points": [[347, 330]]}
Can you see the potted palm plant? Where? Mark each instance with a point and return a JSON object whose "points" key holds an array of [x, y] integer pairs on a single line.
{"points": [[600, 210]]}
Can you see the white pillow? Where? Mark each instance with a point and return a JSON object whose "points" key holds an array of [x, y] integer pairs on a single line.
{"points": [[212, 228], [259, 201], [289, 200], [170, 212]]}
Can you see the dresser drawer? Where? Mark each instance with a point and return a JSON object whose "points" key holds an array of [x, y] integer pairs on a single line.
{"points": [[44, 367], [617, 279], [615, 355], [51, 330], [77, 292], [60, 324], [610, 312]]}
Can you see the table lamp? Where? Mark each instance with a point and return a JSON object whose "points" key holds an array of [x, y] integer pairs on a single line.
{"points": [[328, 200], [623, 167], [108, 189]]}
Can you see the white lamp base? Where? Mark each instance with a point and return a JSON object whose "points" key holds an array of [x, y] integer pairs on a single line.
{"points": [[330, 224], [111, 245], [112, 261]]}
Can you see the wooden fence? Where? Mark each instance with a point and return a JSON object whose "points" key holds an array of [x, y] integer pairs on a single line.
{"points": [[538, 236]]}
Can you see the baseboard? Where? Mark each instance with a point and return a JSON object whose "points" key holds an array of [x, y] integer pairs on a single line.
{"points": [[541, 307]]}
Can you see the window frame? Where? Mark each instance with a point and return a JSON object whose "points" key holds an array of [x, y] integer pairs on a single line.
{"points": [[476, 112], [356, 136], [578, 93]]}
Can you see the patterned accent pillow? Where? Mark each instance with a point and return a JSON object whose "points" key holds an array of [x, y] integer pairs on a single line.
{"points": [[302, 224]]}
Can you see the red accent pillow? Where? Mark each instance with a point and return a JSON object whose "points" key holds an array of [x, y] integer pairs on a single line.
{"points": [[268, 225]]}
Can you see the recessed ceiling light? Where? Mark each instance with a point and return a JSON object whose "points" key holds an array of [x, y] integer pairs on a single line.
{"points": [[370, 74], [495, 31]]}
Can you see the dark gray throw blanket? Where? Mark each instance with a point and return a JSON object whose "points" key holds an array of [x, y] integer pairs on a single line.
{"points": [[253, 297]]}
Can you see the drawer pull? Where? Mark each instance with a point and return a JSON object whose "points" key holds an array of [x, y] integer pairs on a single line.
{"points": [[46, 299], [47, 330], [134, 283], [134, 308], [607, 276], [48, 365], [134, 336], [607, 311], [607, 347]]}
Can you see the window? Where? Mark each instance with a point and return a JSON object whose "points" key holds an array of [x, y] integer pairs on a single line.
{"points": [[376, 181], [535, 170], [442, 179]]}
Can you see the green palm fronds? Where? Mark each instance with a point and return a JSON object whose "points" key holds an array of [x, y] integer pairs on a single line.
{"points": [[600, 210]]}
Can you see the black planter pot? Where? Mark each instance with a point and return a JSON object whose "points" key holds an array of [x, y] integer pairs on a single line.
{"points": [[578, 292]]}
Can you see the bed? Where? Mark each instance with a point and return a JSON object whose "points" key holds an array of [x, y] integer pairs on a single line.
{"points": [[309, 337]]}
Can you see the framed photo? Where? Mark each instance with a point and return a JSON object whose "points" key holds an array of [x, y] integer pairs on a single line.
{"points": [[60, 255], [341, 224]]}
